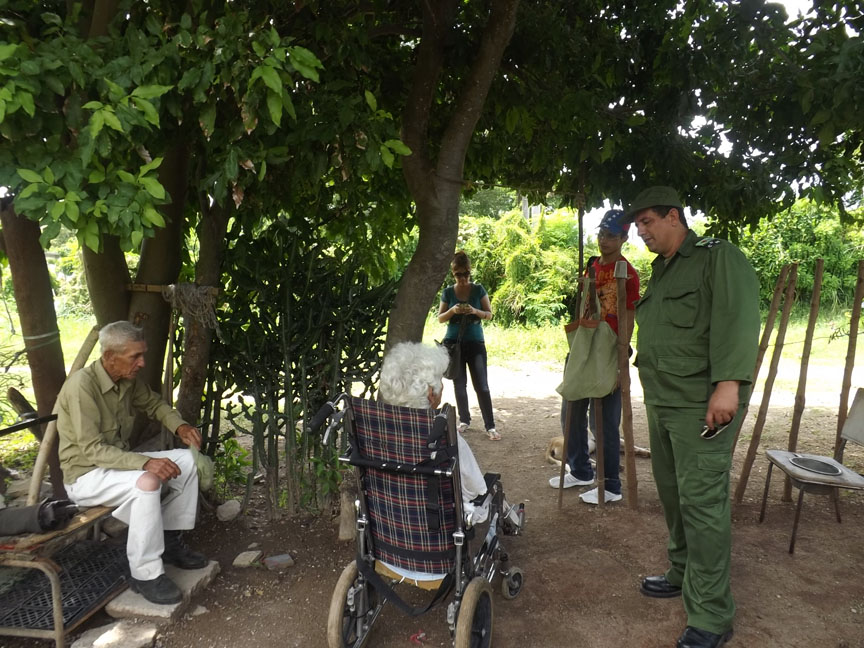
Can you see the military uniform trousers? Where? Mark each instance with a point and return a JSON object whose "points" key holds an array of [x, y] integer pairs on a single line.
{"points": [[692, 477]]}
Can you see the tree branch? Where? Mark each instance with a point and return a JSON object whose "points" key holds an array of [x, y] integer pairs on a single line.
{"points": [[469, 106]]}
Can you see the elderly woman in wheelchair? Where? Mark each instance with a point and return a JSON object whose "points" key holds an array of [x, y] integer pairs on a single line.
{"points": [[409, 462]]}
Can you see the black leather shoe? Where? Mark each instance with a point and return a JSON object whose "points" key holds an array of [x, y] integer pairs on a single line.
{"points": [[178, 554], [659, 587], [161, 590], [696, 638]]}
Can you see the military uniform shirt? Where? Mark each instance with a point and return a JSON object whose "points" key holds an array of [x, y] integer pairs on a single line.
{"points": [[95, 416], [698, 323]]}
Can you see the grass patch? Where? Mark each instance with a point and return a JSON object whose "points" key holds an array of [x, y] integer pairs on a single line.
{"points": [[18, 450], [512, 346]]}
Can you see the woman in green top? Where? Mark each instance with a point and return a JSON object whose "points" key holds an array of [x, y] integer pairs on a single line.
{"points": [[468, 302]]}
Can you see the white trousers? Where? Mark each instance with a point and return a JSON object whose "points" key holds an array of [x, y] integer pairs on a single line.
{"points": [[146, 512]]}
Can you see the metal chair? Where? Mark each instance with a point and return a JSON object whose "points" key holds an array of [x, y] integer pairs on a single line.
{"points": [[818, 474]]}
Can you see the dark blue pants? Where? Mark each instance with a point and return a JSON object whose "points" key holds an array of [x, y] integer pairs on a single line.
{"points": [[577, 440], [474, 358]]}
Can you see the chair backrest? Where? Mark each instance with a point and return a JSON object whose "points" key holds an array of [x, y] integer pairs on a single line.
{"points": [[853, 427], [397, 503]]}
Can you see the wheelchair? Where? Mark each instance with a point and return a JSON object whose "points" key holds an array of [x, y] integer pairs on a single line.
{"points": [[411, 527]]}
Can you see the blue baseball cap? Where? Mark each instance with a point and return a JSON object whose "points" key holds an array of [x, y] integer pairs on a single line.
{"points": [[615, 223]]}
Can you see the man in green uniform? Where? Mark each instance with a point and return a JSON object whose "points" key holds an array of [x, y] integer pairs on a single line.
{"points": [[698, 329]]}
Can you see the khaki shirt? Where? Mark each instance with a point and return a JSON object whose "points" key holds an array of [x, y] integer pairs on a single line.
{"points": [[698, 324], [95, 417]]}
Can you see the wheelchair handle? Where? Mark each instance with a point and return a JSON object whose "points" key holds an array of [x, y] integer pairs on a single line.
{"points": [[320, 416], [326, 410]]}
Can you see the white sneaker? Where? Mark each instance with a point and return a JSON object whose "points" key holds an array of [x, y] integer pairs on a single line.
{"points": [[570, 481], [590, 497], [461, 427]]}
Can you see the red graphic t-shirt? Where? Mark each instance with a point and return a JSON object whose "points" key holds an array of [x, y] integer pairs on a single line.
{"points": [[607, 290]]}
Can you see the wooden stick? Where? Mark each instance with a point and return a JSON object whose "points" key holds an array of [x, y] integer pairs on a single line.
{"points": [[800, 395], [624, 384], [156, 288], [850, 362], [568, 418], [769, 385], [766, 338], [599, 451], [50, 436]]}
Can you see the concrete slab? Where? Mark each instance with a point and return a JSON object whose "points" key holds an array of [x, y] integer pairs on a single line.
{"points": [[121, 634], [130, 605]]}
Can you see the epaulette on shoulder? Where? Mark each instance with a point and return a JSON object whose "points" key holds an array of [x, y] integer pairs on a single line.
{"points": [[708, 242]]}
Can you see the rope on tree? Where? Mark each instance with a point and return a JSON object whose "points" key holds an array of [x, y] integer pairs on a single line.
{"points": [[193, 301]]}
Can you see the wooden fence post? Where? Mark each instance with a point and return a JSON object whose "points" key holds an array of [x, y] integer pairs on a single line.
{"points": [[769, 385]]}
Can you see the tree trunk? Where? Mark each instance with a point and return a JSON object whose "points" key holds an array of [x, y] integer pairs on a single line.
{"points": [[160, 265], [436, 186], [107, 275], [196, 353], [35, 300]]}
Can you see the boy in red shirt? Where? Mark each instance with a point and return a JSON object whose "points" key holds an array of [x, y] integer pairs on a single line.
{"points": [[611, 237]]}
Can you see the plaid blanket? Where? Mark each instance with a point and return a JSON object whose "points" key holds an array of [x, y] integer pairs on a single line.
{"points": [[396, 501]]}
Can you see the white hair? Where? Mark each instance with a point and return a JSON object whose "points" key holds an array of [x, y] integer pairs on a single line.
{"points": [[116, 335], [409, 370]]}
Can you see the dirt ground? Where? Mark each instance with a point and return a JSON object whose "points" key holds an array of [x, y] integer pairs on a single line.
{"points": [[582, 565]]}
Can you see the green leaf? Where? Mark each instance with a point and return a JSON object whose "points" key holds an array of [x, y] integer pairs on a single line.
{"points": [[387, 156], [96, 123], [305, 62], [27, 104], [136, 236], [258, 48], [91, 240], [29, 190], [51, 18], [49, 231], [398, 146], [152, 217], [93, 105], [305, 70], [151, 91], [288, 105], [153, 187], [56, 210], [274, 105], [29, 176], [207, 120], [371, 101], [155, 163], [149, 111], [48, 174], [96, 176], [7, 50], [269, 76], [115, 92], [125, 176], [55, 85], [111, 119], [72, 211]]}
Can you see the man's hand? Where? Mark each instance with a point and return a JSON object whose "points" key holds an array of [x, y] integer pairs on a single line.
{"points": [[723, 404], [164, 469], [189, 435]]}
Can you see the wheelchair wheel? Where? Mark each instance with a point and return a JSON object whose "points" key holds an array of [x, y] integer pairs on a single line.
{"points": [[347, 628], [511, 584], [474, 623]]}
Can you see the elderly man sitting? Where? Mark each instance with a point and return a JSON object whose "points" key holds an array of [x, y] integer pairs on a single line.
{"points": [[95, 414], [411, 376]]}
